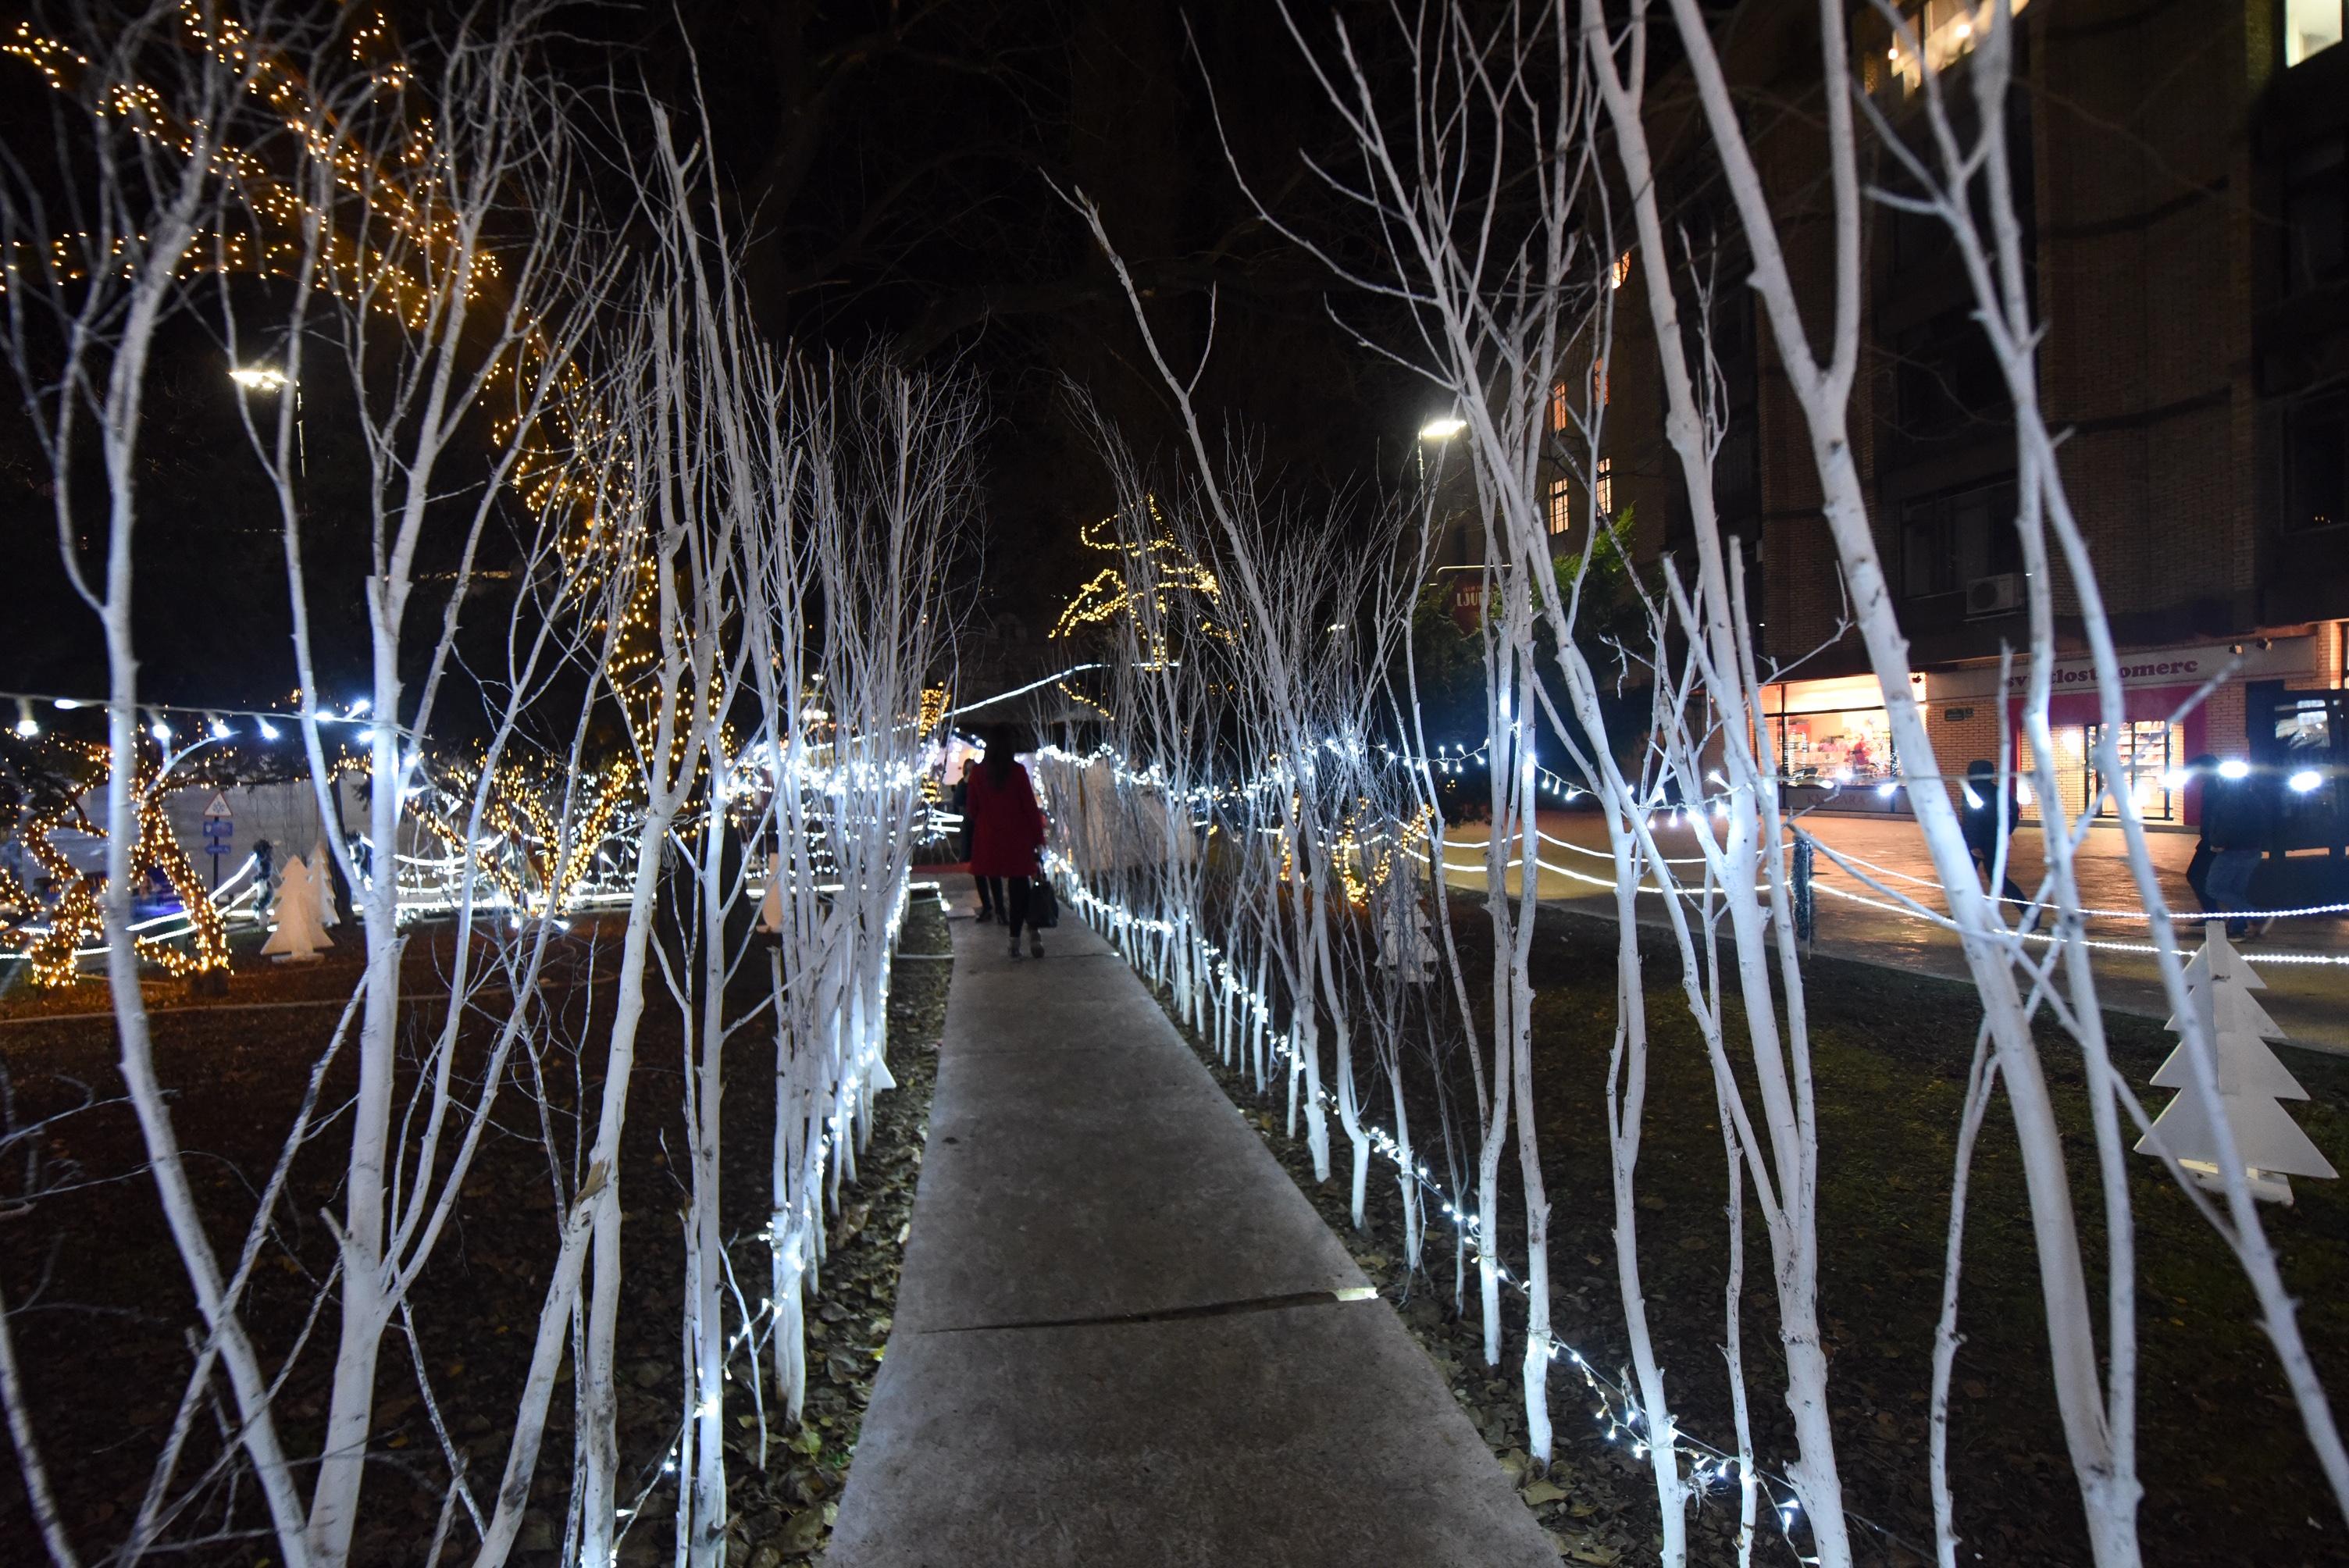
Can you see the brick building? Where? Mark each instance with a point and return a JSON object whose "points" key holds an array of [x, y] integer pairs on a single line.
{"points": [[2182, 174]]}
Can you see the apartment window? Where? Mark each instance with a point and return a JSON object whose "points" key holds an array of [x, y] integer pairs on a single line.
{"points": [[1947, 376], [1561, 508], [1620, 273], [1938, 34], [2309, 27], [1602, 491], [1951, 541], [1599, 384], [1561, 412], [1737, 472], [2317, 465], [2315, 214]]}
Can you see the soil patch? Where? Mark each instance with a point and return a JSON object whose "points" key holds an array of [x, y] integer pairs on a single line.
{"points": [[100, 1306]]}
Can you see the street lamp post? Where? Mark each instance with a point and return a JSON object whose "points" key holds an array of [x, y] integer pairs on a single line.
{"points": [[1441, 428], [269, 378]]}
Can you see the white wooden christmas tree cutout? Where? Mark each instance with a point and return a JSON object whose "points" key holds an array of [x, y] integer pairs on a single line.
{"points": [[2251, 1080], [327, 913], [1404, 944], [299, 934], [770, 902]]}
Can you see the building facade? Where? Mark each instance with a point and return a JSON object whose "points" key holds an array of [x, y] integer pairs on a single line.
{"points": [[2179, 165]]}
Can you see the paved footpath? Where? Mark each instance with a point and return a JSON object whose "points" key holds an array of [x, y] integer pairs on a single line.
{"points": [[1122, 1337]]}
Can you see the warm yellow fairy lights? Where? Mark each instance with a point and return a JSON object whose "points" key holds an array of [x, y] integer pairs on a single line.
{"points": [[1159, 567], [531, 853], [77, 918]]}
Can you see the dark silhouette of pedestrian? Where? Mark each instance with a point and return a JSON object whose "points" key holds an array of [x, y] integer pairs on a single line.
{"points": [[1978, 817], [961, 800], [2236, 821], [2202, 773]]}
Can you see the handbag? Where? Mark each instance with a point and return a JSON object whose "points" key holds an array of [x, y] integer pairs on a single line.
{"points": [[1043, 904]]}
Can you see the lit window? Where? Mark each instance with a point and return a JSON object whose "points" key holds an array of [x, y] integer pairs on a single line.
{"points": [[1602, 489], [1561, 507], [1599, 384], [1561, 414], [2309, 27], [1620, 273], [1945, 31]]}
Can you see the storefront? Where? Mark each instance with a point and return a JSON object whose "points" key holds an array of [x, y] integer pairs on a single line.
{"points": [[1834, 744], [1834, 740], [2152, 752], [2166, 714]]}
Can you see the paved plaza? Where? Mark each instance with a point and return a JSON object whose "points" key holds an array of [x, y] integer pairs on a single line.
{"points": [[2304, 962]]}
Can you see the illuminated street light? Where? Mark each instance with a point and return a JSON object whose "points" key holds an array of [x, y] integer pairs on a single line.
{"points": [[2304, 781], [1442, 429], [269, 378], [2234, 768]]}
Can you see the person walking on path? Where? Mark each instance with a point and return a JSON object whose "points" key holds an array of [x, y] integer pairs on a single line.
{"points": [[1006, 835], [2235, 826], [2202, 773], [961, 804], [1978, 817]]}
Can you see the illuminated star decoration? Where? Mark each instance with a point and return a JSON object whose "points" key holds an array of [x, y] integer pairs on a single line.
{"points": [[1157, 569]]}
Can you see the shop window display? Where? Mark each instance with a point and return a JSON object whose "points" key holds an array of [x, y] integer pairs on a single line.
{"points": [[1849, 747], [2150, 751]]}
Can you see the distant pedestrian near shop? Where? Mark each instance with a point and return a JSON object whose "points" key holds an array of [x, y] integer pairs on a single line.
{"points": [[1978, 815], [2237, 821], [959, 800]]}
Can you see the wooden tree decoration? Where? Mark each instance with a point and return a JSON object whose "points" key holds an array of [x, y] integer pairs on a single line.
{"points": [[770, 902], [299, 934], [321, 856], [2251, 1080]]}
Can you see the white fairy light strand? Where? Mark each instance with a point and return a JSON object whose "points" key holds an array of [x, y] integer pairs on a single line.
{"points": [[1708, 1464]]}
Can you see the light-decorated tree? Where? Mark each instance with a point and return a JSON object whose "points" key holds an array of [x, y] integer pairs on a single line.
{"points": [[2251, 1081], [300, 932]]}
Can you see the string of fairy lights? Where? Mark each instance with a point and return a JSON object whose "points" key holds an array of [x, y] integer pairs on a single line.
{"points": [[1617, 1411], [1447, 760], [548, 845], [541, 860]]}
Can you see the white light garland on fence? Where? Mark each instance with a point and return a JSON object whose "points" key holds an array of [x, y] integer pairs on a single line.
{"points": [[210, 722], [1447, 760], [1618, 1410]]}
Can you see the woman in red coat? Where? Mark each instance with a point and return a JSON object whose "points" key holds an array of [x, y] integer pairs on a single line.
{"points": [[1007, 831]]}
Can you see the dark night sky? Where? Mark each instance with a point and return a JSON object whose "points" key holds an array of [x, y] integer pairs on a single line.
{"points": [[900, 159], [926, 215]]}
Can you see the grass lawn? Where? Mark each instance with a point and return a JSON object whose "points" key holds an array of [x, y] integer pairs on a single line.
{"points": [[2229, 1474]]}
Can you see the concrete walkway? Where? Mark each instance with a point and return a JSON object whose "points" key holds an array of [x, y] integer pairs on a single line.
{"points": [[1123, 1335]]}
